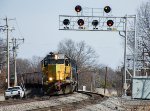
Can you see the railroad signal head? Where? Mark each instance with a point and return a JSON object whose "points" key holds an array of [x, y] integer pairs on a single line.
{"points": [[107, 9], [78, 8], [95, 23], [66, 22], [80, 22], [110, 23]]}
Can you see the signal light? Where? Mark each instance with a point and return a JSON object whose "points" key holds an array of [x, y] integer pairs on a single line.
{"points": [[78, 8], [107, 9], [80, 22], [110, 23], [95, 23], [66, 22]]}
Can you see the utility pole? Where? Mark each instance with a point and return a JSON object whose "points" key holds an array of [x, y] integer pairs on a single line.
{"points": [[105, 81], [14, 56], [8, 71], [15, 46], [6, 28]]}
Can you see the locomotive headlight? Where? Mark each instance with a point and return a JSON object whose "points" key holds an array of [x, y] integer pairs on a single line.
{"points": [[50, 78], [56, 57], [61, 78]]}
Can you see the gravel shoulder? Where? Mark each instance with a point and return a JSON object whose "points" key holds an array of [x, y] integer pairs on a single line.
{"points": [[47, 103]]}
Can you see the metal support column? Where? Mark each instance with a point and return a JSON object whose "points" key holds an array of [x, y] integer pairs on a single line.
{"points": [[134, 57], [125, 58]]}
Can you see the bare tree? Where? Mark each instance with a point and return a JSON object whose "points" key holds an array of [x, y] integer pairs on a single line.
{"points": [[2, 64], [143, 37], [2, 53], [23, 66], [84, 55], [143, 26], [143, 23], [143, 34], [36, 64], [29, 65]]}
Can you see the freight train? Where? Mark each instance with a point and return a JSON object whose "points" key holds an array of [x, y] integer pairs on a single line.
{"points": [[59, 75]]}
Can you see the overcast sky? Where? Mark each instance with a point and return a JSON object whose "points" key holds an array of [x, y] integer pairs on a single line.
{"points": [[38, 22]]}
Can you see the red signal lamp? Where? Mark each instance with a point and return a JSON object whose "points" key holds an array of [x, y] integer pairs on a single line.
{"points": [[110, 23], [78, 8], [80, 22]]}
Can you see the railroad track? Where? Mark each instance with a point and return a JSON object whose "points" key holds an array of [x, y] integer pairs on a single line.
{"points": [[93, 99], [137, 105], [91, 93], [67, 102], [72, 102], [14, 101]]}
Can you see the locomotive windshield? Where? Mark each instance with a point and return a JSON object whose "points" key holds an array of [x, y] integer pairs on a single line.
{"points": [[54, 61]]}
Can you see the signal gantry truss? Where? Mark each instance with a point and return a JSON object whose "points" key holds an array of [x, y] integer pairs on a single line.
{"points": [[91, 23], [88, 19]]}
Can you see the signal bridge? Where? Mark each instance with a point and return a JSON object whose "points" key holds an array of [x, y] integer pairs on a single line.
{"points": [[93, 23], [87, 20]]}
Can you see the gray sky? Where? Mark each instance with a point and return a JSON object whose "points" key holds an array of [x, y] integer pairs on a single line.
{"points": [[38, 24]]}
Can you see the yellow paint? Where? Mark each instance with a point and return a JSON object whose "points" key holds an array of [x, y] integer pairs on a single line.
{"points": [[60, 69], [57, 72], [68, 70], [52, 71]]}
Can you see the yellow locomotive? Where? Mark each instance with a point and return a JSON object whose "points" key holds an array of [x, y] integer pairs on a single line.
{"points": [[59, 73]]}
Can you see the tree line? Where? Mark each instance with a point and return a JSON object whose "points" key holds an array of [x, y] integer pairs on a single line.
{"points": [[84, 55]]}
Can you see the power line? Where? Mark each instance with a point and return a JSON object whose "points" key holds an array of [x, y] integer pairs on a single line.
{"points": [[21, 35]]}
